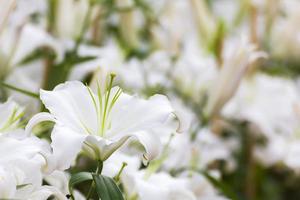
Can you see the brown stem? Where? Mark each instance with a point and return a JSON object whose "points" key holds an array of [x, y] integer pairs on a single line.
{"points": [[253, 24]]}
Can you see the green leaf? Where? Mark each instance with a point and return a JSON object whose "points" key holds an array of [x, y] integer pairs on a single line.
{"points": [[78, 178], [106, 188]]}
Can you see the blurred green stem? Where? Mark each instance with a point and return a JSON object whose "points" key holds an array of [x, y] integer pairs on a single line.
{"points": [[250, 185], [26, 92]]}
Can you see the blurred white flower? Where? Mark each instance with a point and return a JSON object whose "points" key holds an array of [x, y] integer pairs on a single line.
{"points": [[160, 186], [68, 25], [175, 17], [18, 44], [269, 102], [10, 116], [285, 36], [201, 152], [272, 104], [108, 58], [194, 73], [21, 167], [237, 59], [208, 147], [188, 186]]}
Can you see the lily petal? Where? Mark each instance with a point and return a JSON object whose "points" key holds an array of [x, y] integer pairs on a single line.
{"points": [[36, 119], [66, 144], [132, 116], [71, 105]]}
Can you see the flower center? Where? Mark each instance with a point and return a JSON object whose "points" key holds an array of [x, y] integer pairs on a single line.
{"points": [[104, 102]]}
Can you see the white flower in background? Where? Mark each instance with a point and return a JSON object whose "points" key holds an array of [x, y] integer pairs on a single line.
{"points": [[24, 11], [269, 102], [68, 25], [204, 20], [194, 73], [179, 153], [21, 167], [187, 186], [201, 152], [280, 149], [128, 24], [208, 147], [175, 17], [150, 72], [17, 44], [33, 37], [10, 116], [285, 39], [101, 122], [160, 186], [22, 163], [237, 59], [272, 104], [270, 154], [108, 55]]}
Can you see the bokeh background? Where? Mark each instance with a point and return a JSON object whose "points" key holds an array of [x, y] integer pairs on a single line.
{"points": [[230, 68]]}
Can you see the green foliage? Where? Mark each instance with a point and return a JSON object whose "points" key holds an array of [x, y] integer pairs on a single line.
{"points": [[106, 188]]}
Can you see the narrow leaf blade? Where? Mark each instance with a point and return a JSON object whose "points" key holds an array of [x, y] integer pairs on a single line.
{"points": [[106, 188]]}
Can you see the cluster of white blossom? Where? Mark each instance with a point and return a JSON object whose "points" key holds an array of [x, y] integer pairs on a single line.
{"points": [[144, 99]]}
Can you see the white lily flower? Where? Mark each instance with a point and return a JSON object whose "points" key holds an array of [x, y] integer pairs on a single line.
{"points": [[100, 123], [194, 72], [109, 55], [204, 150], [165, 187], [160, 186], [10, 116], [33, 37], [68, 25], [285, 38], [255, 102], [272, 105], [21, 167], [237, 60], [17, 44], [208, 147]]}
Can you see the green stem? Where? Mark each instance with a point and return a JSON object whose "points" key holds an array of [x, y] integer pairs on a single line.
{"points": [[117, 177], [98, 171], [26, 92]]}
